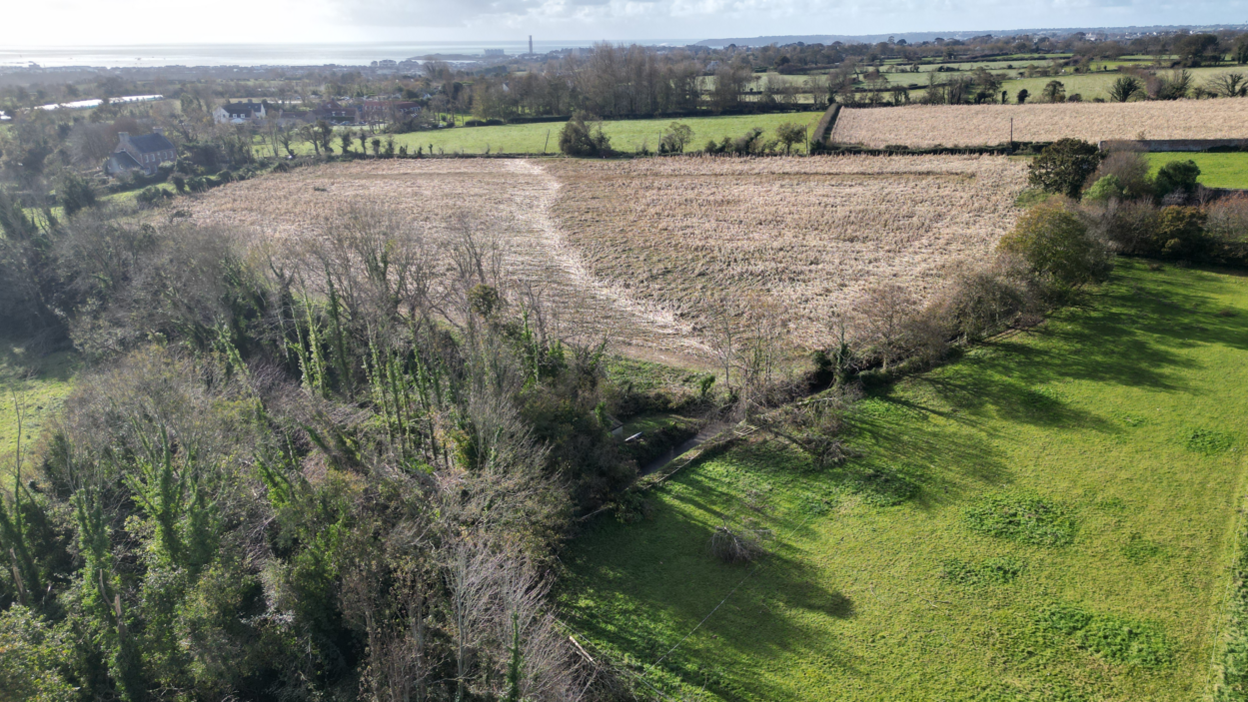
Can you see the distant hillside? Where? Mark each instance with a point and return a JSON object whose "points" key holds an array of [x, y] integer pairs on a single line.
{"points": [[914, 37]]}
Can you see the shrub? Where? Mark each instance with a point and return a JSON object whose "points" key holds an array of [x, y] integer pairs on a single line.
{"points": [[1131, 168], [1106, 188], [1180, 233], [1024, 518], [676, 138], [1064, 166], [1056, 245], [984, 300], [1226, 229], [738, 543], [153, 194], [76, 193], [1125, 88], [579, 139], [1177, 176], [1127, 225]]}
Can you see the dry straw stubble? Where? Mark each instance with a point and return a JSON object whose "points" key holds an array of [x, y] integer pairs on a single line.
{"points": [[988, 125]]}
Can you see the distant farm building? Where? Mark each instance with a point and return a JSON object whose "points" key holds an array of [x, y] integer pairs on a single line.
{"points": [[143, 153], [238, 113]]}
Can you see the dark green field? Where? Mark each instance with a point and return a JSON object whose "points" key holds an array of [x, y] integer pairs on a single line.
{"points": [[1052, 517]]}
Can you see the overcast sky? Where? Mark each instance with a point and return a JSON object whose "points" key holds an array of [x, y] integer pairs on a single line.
{"points": [[61, 22]]}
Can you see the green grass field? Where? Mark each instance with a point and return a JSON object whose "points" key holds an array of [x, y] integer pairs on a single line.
{"points": [[1052, 517], [1095, 85], [1229, 170], [627, 135], [35, 388]]}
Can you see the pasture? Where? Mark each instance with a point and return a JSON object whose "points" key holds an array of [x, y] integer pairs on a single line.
{"points": [[986, 125], [626, 135], [1217, 170], [1052, 517]]}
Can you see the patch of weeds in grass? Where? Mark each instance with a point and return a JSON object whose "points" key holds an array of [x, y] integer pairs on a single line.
{"points": [[1114, 638], [1025, 518], [811, 505], [991, 571], [1208, 441], [1112, 504], [882, 409], [1139, 549], [883, 487]]}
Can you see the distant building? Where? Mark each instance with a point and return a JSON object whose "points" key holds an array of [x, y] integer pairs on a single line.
{"points": [[495, 52], [238, 113], [335, 112], [387, 110], [144, 153], [387, 63]]}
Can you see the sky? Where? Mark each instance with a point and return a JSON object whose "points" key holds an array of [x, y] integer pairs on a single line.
{"points": [[105, 22]]}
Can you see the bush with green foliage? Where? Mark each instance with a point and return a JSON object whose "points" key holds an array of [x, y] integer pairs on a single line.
{"points": [[1064, 166], [578, 138], [1125, 88], [1179, 233], [1177, 176], [1106, 188], [75, 193], [1056, 245]]}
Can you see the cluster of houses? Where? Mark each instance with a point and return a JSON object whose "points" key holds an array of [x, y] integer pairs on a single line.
{"points": [[146, 153], [352, 112]]}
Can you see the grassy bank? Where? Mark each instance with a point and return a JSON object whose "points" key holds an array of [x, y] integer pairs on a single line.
{"points": [[1049, 518], [32, 387]]}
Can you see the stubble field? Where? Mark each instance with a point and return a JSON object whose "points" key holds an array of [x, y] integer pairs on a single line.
{"points": [[976, 125], [644, 253], [804, 236]]}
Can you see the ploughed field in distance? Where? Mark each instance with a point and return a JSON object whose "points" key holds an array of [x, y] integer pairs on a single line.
{"points": [[919, 126]]}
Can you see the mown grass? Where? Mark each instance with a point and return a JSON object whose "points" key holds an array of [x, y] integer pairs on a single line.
{"points": [[33, 387], [626, 135], [1105, 415], [1225, 170]]}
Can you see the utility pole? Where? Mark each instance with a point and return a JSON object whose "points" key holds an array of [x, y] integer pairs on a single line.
{"points": [[530, 45]]}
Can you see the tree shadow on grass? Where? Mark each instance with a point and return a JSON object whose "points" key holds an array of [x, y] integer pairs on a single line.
{"points": [[743, 617], [1131, 336], [943, 462]]}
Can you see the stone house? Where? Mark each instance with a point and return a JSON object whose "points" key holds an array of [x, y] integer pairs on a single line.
{"points": [[144, 153]]}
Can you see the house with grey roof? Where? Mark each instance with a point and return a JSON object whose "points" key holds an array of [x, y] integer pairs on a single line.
{"points": [[239, 112], [144, 153]]}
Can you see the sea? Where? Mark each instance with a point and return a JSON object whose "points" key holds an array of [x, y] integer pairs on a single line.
{"points": [[354, 54]]}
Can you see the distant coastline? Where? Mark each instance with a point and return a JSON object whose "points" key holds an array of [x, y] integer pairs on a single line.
{"points": [[353, 54]]}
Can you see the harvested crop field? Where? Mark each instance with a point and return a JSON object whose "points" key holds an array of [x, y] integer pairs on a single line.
{"points": [[637, 251], [802, 236], [986, 125], [508, 200]]}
